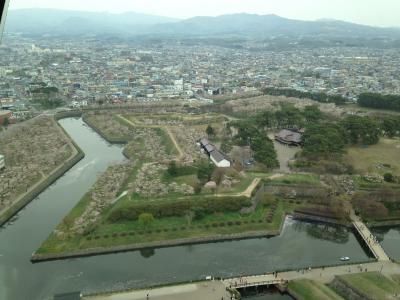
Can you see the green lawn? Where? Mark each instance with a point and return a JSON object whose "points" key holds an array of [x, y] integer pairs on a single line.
{"points": [[396, 278], [310, 179], [373, 284], [311, 290], [371, 158]]}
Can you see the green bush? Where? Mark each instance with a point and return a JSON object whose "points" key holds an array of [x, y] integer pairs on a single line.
{"points": [[388, 177]]}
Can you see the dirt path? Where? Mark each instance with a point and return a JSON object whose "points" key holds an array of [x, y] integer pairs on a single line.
{"points": [[171, 135], [247, 192]]}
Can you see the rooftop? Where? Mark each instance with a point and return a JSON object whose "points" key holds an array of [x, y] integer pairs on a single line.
{"points": [[218, 156], [288, 135]]}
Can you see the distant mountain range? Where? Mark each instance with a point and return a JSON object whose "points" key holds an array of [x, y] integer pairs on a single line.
{"points": [[60, 22], [52, 21]]}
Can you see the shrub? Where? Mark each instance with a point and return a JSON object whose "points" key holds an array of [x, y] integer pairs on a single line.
{"points": [[268, 200], [146, 219], [388, 177]]}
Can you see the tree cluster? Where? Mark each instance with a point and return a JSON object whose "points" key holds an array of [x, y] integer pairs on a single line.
{"points": [[319, 97], [379, 101], [289, 117], [249, 134], [179, 208]]}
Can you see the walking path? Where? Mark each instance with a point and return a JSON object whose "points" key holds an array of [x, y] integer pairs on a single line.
{"points": [[171, 135], [247, 192], [323, 275], [217, 290], [208, 290], [370, 240]]}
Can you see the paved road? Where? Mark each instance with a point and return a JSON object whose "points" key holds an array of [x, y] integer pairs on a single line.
{"points": [[323, 275], [210, 290]]}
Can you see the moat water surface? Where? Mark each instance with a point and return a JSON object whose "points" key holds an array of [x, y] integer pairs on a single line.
{"points": [[389, 238], [300, 244]]}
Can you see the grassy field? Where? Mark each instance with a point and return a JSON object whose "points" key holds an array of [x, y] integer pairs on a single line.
{"points": [[109, 234], [373, 284], [396, 278], [310, 179], [380, 158], [311, 290]]}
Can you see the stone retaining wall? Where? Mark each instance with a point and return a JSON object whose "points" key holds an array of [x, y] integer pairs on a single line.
{"points": [[161, 244]]}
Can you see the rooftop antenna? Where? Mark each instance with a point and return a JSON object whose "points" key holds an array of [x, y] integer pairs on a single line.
{"points": [[3, 14]]}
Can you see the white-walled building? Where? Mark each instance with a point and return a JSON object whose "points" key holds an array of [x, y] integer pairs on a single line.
{"points": [[216, 156], [220, 160]]}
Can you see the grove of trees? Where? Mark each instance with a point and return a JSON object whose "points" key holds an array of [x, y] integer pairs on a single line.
{"points": [[179, 208], [319, 97], [379, 101]]}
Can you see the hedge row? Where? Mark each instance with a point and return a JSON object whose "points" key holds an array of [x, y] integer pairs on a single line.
{"points": [[176, 228], [180, 208]]}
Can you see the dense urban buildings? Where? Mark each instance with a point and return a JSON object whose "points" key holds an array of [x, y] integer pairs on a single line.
{"points": [[81, 72]]}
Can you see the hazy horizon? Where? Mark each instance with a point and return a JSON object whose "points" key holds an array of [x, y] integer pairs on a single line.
{"points": [[369, 12]]}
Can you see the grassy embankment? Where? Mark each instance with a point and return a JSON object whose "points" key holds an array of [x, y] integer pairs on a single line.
{"points": [[311, 290], [373, 284], [109, 234]]}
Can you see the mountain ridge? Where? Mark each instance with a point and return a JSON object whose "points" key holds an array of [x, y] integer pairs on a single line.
{"points": [[49, 21]]}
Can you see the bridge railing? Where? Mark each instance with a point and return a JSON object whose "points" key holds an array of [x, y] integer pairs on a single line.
{"points": [[370, 246], [258, 283]]}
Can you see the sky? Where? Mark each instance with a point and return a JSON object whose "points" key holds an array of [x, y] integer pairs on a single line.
{"points": [[369, 12]]}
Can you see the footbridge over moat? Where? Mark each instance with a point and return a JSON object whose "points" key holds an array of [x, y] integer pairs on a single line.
{"points": [[369, 239]]}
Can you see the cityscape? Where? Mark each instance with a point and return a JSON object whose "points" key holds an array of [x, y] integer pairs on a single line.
{"points": [[236, 156]]}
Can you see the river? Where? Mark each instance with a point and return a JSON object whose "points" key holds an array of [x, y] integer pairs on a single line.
{"points": [[299, 245]]}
